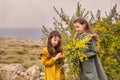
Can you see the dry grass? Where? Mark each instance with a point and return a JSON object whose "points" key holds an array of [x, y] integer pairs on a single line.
{"points": [[20, 51]]}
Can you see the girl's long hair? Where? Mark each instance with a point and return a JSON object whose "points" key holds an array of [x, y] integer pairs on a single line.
{"points": [[53, 50], [87, 27]]}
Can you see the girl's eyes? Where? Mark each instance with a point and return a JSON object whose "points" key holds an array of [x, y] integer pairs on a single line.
{"points": [[77, 26], [56, 40]]}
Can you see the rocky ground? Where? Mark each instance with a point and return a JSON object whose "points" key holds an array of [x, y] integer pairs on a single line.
{"points": [[18, 72], [19, 59]]}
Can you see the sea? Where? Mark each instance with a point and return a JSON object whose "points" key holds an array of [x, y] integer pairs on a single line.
{"points": [[24, 33]]}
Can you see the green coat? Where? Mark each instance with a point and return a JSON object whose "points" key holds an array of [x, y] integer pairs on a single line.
{"points": [[92, 68]]}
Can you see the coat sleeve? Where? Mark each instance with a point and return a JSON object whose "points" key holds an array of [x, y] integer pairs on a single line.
{"points": [[92, 51], [46, 62]]}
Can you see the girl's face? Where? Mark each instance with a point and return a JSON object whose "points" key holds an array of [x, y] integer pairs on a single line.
{"points": [[80, 28], [55, 40]]}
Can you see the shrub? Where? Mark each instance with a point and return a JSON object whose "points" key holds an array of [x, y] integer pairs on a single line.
{"points": [[108, 29]]}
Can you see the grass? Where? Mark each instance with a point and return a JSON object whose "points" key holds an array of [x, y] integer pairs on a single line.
{"points": [[20, 51]]}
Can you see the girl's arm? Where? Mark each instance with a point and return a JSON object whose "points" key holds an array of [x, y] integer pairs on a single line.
{"points": [[45, 61], [93, 45], [48, 62], [92, 51]]}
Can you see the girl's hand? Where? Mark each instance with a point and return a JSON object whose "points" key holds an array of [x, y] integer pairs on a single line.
{"points": [[59, 55]]}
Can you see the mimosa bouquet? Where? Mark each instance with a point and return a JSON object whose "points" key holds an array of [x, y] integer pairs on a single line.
{"points": [[75, 48]]}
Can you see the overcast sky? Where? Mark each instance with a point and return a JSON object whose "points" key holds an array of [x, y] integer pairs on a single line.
{"points": [[35, 13]]}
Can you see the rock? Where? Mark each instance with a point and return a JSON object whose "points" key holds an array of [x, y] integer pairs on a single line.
{"points": [[17, 72], [22, 74], [33, 73], [9, 72], [13, 67], [42, 74]]}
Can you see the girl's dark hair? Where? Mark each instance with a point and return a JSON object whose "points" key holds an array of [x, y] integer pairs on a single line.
{"points": [[53, 50], [87, 27]]}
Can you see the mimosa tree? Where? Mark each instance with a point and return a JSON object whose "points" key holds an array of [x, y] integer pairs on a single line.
{"points": [[108, 29]]}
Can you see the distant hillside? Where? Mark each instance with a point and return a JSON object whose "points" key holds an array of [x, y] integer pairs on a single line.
{"points": [[20, 51]]}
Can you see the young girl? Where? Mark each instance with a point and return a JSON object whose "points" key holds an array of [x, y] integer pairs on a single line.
{"points": [[92, 68], [51, 55]]}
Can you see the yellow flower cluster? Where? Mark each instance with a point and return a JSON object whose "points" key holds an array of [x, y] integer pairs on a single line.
{"points": [[109, 46], [98, 28], [76, 47]]}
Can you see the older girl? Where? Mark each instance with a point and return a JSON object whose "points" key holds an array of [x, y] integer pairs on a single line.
{"points": [[92, 68]]}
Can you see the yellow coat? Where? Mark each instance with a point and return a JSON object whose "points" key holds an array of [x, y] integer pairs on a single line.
{"points": [[51, 69]]}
